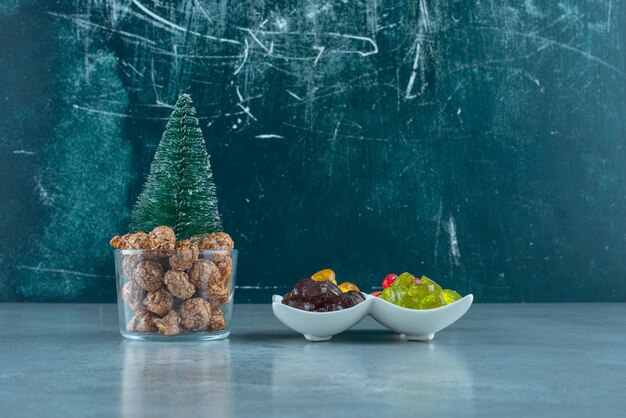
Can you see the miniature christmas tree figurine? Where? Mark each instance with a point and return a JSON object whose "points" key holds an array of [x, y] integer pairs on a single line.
{"points": [[179, 191]]}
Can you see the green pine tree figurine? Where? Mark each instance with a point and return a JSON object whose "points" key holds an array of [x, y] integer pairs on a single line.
{"points": [[179, 191]]}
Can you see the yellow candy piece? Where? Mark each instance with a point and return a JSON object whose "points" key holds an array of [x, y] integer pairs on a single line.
{"points": [[426, 280], [450, 296], [347, 286], [326, 274], [434, 300]]}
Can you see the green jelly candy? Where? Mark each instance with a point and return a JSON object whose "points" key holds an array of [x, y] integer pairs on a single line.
{"points": [[434, 300], [404, 280], [426, 280], [450, 296], [421, 290], [410, 302], [391, 295]]}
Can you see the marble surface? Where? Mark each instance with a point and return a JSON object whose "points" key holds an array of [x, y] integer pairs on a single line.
{"points": [[499, 360]]}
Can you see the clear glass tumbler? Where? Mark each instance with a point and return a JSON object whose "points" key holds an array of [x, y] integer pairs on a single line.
{"points": [[165, 296]]}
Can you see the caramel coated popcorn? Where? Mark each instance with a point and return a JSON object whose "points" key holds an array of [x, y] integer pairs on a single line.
{"points": [[217, 322], [148, 275], [204, 273], [159, 302], [133, 295], [218, 294], [195, 313], [162, 238], [137, 241], [169, 324], [172, 287], [142, 322], [119, 241], [217, 241], [177, 282], [185, 253], [225, 266], [129, 262]]}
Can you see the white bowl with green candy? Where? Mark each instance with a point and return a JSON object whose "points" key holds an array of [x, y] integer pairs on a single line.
{"points": [[418, 308], [422, 324]]}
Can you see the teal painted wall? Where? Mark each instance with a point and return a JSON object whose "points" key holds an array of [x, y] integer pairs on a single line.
{"points": [[482, 144]]}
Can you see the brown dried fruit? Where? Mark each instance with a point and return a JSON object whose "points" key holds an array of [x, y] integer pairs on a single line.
{"points": [[217, 322], [159, 302], [142, 322], [169, 324], [217, 241], [178, 283], [162, 238], [185, 254], [148, 275], [195, 313], [203, 273], [133, 295]]}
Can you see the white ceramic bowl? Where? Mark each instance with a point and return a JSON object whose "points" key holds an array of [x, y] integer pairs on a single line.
{"points": [[319, 326], [417, 325]]}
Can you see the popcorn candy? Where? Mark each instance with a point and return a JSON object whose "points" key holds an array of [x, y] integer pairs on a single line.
{"points": [[119, 241], [130, 261], [218, 294], [195, 313], [177, 282], [159, 302], [142, 322], [217, 322], [137, 241], [163, 301], [169, 324], [148, 275], [185, 254], [162, 238], [203, 273], [217, 241], [225, 266], [133, 295]]}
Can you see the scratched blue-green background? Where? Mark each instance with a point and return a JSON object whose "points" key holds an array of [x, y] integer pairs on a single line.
{"points": [[480, 143]]}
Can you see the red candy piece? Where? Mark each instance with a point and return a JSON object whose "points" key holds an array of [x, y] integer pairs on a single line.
{"points": [[389, 280], [416, 280], [376, 293]]}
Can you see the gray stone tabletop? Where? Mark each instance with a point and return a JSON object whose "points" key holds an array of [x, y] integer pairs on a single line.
{"points": [[498, 360]]}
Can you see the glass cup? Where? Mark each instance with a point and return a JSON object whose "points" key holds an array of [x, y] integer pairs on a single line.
{"points": [[174, 296]]}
